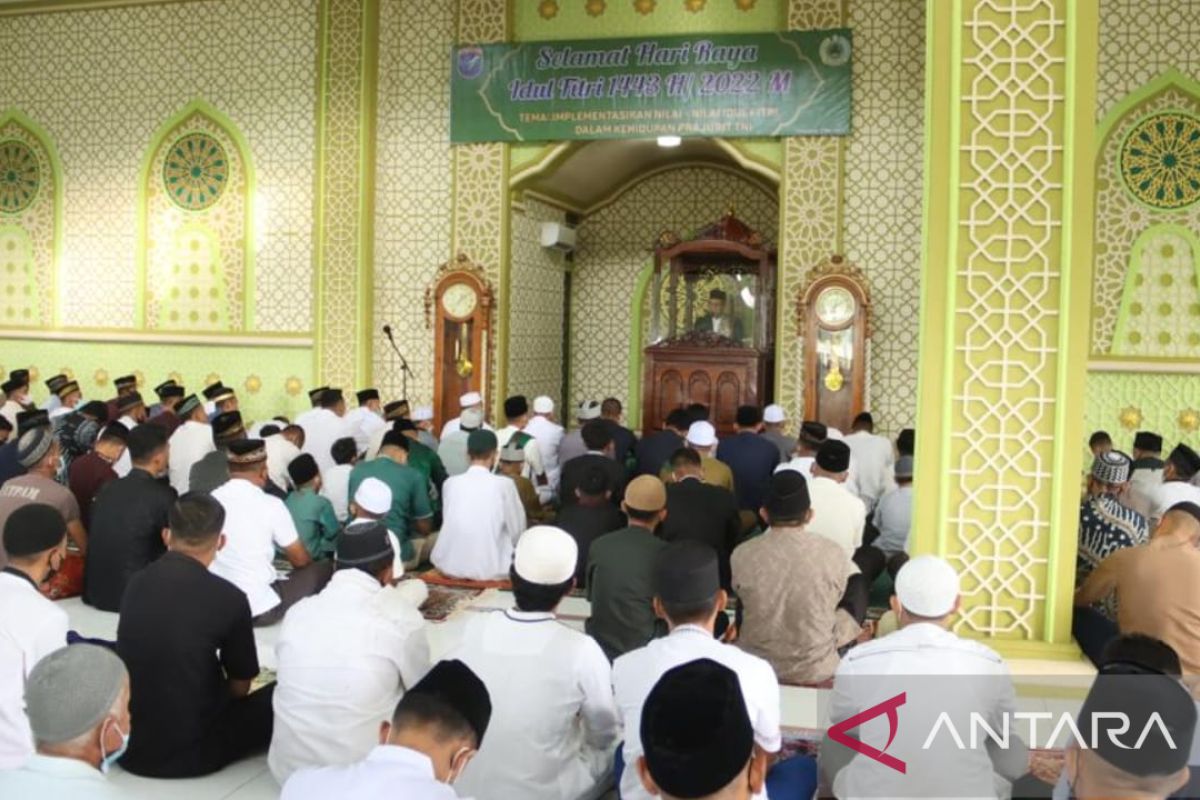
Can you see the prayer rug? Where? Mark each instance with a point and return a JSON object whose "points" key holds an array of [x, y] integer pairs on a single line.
{"points": [[445, 600]]}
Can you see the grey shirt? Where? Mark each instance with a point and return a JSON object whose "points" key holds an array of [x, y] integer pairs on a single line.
{"points": [[786, 444], [209, 472], [893, 518]]}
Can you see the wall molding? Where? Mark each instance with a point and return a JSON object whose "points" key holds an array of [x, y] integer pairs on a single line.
{"points": [[57, 6], [137, 337]]}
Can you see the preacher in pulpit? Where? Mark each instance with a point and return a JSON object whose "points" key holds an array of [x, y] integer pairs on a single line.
{"points": [[718, 320]]}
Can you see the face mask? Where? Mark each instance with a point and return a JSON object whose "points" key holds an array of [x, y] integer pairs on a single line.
{"points": [[456, 773], [106, 761]]}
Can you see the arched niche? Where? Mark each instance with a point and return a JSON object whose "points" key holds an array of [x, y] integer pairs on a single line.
{"points": [[30, 223], [196, 225]]}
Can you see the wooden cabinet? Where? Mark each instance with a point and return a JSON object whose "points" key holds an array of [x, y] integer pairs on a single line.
{"points": [[722, 378]]}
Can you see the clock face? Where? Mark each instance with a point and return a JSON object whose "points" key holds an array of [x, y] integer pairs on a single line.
{"points": [[835, 306], [459, 300]]}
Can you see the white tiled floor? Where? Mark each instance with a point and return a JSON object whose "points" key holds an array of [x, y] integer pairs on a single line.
{"points": [[1037, 687]]}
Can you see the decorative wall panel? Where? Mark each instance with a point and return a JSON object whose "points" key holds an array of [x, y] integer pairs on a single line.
{"points": [[413, 185], [197, 248], [615, 245], [102, 81], [1160, 308], [30, 224], [1124, 403], [882, 202], [1140, 40], [538, 307]]}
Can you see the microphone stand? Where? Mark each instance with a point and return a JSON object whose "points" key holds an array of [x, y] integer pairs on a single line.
{"points": [[405, 372]]}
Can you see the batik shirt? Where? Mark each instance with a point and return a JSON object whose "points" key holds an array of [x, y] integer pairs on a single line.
{"points": [[1106, 526]]}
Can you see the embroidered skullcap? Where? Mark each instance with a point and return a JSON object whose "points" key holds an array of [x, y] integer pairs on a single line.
{"points": [[1111, 467]]}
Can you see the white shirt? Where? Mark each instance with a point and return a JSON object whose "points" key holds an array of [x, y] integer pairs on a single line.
{"points": [[904, 661], [804, 465], [388, 773], [554, 723], [873, 464], [453, 453], [322, 428], [280, 453], [335, 486], [1169, 493], [482, 518], [1143, 486], [190, 442], [31, 627], [343, 665], [636, 672], [549, 437], [837, 514], [125, 464], [9, 411], [255, 524], [54, 777], [362, 423]]}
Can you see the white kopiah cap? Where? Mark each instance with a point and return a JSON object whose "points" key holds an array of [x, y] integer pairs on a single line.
{"points": [[588, 409], [470, 399], [373, 496], [546, 555], [543, 405], [774, 413], [927, 586], [422, 414], [702, 434]]}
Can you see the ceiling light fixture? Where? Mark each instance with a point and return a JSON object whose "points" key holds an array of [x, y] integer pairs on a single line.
{"points": [[669, 141]]}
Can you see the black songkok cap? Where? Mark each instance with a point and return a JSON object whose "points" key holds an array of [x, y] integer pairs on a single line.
{"points": [[1186, 461], [302, 469], [813, 432], [696, 733], [363, 543], [218, 392], [28, 420], [228, 426], [314, 395], [96, 409], [787, 495], [834, 456], [404, 424], [125, 382], [906, 442], [516, 406], [717, 294], [395, 409], [686, 572], [394, 438], [130, 401], [1148, 441], [1127, 689], [331, 397], [19, 375], [169, 389], [56, 381], [11, 385], [367, 395], [247, 451], [33, 528], [453, 683]]}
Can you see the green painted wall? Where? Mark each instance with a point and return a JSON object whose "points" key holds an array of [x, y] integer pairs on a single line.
{"points": [[534, 20]]}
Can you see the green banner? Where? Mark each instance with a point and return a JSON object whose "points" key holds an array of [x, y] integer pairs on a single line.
{"points": [[740, 85]]}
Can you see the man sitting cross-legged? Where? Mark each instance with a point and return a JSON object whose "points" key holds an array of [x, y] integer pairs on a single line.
{"points": [[437, 728], [688, 595], [187, 638], [554, 727], [345, 657]]}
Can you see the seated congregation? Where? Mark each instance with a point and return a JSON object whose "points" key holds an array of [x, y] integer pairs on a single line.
{"points": [[716, 571]]}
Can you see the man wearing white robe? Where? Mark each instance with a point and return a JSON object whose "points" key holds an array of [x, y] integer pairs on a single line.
{"points": [[324, 426], [190, 442]]}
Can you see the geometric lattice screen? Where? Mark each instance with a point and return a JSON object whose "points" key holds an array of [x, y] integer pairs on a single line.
{"points": [[1160, 307], [30, 197], [197, 246]]}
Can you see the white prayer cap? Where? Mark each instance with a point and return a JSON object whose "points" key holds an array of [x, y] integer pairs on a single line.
{"points": [[928, 586], [422, 414], [774, 413], [470, 399], [588, 409], [702, 434], [834, 433], [546, 555], [543, 405], [373, 496]]}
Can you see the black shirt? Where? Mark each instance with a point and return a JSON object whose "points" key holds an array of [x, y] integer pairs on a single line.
{"points": [[586, 524], [655, 450], [124, 535], [700, 512], [623, 441], [574, 470], [183, 634], [9, 466]]}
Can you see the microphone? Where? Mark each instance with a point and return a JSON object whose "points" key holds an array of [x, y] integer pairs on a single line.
{"points": [[387, 331]]}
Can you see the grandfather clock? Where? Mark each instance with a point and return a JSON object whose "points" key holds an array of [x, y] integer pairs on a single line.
{"points": [[834, 317], [458, 307]]}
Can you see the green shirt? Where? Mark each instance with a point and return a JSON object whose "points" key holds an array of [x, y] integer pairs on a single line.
{"points": [[410, 496], [315, 522], [620, 586], [426, 462]]}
